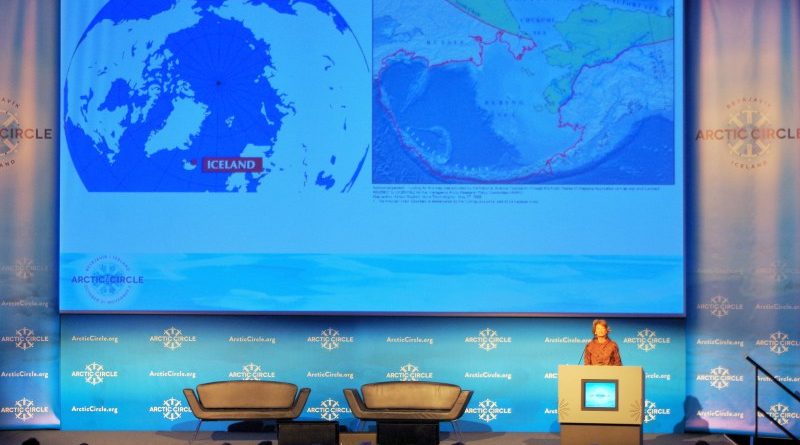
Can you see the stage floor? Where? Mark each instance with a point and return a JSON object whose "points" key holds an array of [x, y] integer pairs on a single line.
{"points": [[52, 437]]}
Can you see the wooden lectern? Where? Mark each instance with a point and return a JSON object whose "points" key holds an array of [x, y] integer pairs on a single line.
{"points": [[600, 405]]}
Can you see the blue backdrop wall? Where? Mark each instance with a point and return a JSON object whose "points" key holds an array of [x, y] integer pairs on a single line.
{"points": [[127, 372]]}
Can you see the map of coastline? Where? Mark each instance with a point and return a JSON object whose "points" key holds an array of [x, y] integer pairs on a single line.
{"points": [[523, 92]]}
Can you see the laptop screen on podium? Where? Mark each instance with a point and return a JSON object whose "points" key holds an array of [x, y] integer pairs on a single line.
{"points": [[599, 395]]}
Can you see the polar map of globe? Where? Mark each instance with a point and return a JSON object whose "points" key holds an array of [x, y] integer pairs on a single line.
{"points": [[213, 96]]}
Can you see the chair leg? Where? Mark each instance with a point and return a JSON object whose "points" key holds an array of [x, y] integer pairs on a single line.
{"points": [[196, 430], [457, 431]]}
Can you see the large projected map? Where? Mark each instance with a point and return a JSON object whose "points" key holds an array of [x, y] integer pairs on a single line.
{"points": [[213, 96], [385, 156], [523, 91]]}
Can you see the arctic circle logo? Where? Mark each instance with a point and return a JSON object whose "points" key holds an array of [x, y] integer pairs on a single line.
{"points": [[107, 279], [24, 409], [251, 371], [748, 132], [94, 373], [720, 306], [488, 339], [647, 340], [782, 414], [778, 343], [172, 409], [488, 410], [651, 411], [330, 339], [25, 338], [173, 338], [409, 373], [720, 378], [329, 410]]}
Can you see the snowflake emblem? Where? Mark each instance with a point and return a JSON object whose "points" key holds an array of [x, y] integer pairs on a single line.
{"points": [[329, 339], [24, 409], [251, 371], [719, 377], [488, 339], [646, 340], [94, 373], [650, 412], [780, 272], [172, 340], [9, 121], [23, 269], [329, 409], [487, 410], [718, 306], [408, 370], [26, 339], [749, 148], [172, 409]]}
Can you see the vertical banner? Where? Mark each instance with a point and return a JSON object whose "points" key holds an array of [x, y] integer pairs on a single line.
{"points": [[29, 327], [743, 137]]}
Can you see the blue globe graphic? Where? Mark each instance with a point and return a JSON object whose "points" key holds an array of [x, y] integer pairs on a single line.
{"points": [[158, 93]]}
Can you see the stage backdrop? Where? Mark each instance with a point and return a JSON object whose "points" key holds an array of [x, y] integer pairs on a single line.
{"points": [[126, 372], [28, 299], [744, 127]]}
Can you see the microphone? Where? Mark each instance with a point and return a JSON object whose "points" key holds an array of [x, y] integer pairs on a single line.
{"points": [[580, 360]]}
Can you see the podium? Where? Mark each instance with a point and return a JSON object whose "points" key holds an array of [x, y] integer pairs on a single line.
{"points": [[600, 405]]}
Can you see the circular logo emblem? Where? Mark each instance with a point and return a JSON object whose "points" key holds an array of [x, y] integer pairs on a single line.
{"points": [[108, 279]]}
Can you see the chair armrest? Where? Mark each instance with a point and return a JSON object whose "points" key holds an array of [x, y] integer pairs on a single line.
{"points": [[461, 404], [194, 404], [357, 405], [300, 402]]}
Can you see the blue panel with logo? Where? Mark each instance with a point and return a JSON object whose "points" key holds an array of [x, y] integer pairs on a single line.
{"points": [[127, 372]]}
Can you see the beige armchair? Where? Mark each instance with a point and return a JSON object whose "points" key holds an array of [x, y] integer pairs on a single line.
{"points": [[245, 400]]}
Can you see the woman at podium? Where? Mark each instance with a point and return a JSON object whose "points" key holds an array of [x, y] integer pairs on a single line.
{"points": [[601, 350]]}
